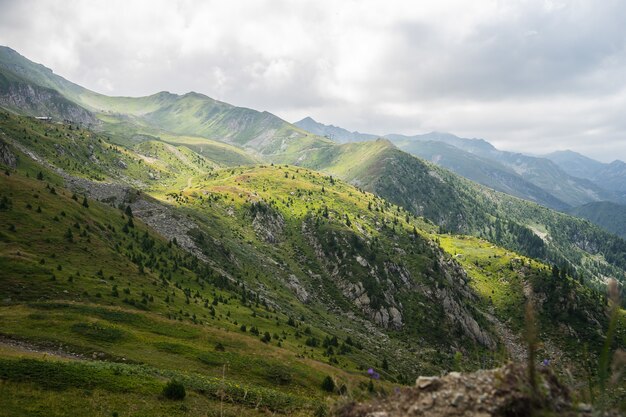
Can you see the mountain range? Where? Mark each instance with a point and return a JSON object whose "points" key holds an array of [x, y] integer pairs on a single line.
{"points": [[270, 267], [562, 180]]}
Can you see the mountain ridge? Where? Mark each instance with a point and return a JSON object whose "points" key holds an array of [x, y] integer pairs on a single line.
{"points": [[381, 168], [276, 272], [566, 190]]}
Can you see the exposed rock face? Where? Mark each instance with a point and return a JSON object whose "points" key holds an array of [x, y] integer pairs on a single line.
{"points": [[7, 157], [158, 216], [499, 392], [392, 279], [457, 313], [266, 222], [293, 283], [384, 316], [39, 101]]}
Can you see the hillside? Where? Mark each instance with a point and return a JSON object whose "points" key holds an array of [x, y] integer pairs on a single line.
{"points": [[610, 216], [461, 206], [531, 178], [378, 167], [327, 250], [191, 114], [611, 176], [483, 171]]}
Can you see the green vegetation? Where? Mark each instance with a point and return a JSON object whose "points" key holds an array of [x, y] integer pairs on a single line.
{"points": [[609, 216], [144, 251], [174, 390]]}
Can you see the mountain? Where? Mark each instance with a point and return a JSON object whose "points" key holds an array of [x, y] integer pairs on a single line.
{"points": [[482, 170], [135, 265], [461, 206], [611, 176], [17, 94], [540, 172], [475, 146], [376, 166], [610, 216], [331, 132], [185, 115], [576, 164], [534, 179]]}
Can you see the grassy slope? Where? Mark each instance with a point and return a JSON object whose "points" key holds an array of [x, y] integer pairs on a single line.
{"points": [[130, 131], [89, 295], [465, 207], [170, 337], [610, 216], [482, 170]]}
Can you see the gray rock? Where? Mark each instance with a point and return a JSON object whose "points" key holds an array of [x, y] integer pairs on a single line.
{"points": [[7, 157]]}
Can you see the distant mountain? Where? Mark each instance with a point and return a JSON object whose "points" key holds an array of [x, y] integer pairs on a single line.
{"points": [[610, 216], [540, 172], [191, 114], [575, 164], [609, 176], [484, 171], [334, 133], [532, 178], [197, 122], [475, 146]]}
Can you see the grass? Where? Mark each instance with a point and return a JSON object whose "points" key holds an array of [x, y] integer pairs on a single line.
{"points": [[62, 297], [290, 252]]}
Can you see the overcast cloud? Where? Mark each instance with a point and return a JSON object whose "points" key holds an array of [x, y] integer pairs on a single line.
{"points": [[532, 76]]}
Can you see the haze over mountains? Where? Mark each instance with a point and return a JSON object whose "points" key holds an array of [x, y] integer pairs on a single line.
{"points": [[561, 180], [267, 265]]}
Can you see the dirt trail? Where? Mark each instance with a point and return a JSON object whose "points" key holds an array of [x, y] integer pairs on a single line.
{"points": [[49, 350]]}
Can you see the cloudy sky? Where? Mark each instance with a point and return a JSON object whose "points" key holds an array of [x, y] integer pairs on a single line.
{"points": [[531, 75]]}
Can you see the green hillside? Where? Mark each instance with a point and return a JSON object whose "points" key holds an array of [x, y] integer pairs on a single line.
{"points": [[461, 206], [192, 114], [378, 167], [482, 170], [609, 216], [117, 310]]}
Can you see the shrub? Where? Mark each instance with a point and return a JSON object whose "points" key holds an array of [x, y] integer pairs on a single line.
{"points": [[174, 390], [328, 384], [279, 374]]}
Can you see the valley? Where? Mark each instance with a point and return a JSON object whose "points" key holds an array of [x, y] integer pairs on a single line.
{"points": [[268, 269]]}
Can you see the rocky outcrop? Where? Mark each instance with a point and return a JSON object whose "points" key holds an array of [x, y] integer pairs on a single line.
{"points": [[488, 393], [7, 157], [266, 222], [384, 316], [293, 283], [34, 100]]}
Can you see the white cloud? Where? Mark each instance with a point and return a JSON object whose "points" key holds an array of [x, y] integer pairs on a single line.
{"points": [[528, 75]]}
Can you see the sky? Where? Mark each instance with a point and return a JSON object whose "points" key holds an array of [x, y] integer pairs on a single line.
{"points": [[527, 75]]}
